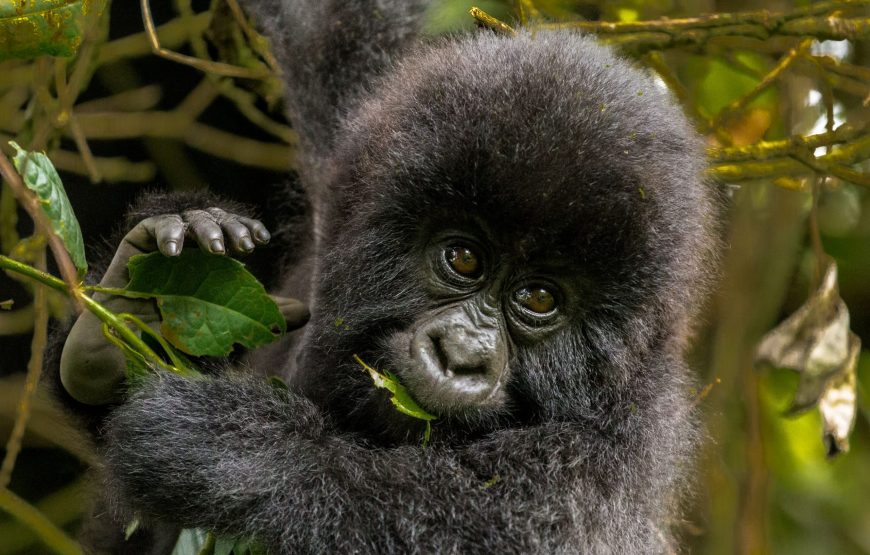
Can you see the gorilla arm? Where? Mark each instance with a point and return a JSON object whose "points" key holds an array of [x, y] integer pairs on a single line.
{"points": [[236, 455], [330, 51], [91, 368]]}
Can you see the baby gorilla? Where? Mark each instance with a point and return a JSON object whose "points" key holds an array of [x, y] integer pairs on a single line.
{"points": [[517, 227]]}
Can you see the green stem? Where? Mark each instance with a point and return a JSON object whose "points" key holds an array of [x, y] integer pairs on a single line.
{"points": [[117, 292], [182, 366], [34, 274], [101, 312], [30, 516], [124, 331]]}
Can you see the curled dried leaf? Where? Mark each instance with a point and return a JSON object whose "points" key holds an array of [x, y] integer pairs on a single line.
{"points": [[817, 343]]}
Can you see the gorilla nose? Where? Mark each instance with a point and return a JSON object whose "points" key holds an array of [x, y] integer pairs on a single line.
{"points": [[460, 361], [460, 352]]}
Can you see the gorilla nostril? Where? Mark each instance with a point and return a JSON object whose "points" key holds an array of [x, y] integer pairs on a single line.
{"points": [[456, 358], [441, 355], [469, 369]]}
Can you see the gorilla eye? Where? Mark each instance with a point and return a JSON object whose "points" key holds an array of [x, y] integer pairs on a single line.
{"points": [[463, 261], [536, 299]]}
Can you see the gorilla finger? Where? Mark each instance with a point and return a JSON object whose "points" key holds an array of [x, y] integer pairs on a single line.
{"points": [[169, 231], [205, 230], [143, 236], [294, 311], [258, 230], [237, 235]]}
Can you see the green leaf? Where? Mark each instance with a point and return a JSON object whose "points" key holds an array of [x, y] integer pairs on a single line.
{"points": [[30, 28], [7, 304], [401, 399], [131, 528], [40, 177], [191, 541], [278, 384], [223, 546], [207, 303], [196, 541]]}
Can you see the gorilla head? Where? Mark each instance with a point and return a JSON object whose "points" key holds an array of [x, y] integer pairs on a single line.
{"points": [[513, 227]]}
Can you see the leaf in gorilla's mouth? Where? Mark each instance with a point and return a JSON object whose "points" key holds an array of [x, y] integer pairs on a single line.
{"points": [[400, 398]]}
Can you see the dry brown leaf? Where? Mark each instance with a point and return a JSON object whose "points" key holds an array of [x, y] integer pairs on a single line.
{"points": [[816, 342]]}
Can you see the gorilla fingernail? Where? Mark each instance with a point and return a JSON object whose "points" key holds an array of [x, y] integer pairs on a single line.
{"points": [[263, 235], [217, 246], [171, 248], [246, 244]]}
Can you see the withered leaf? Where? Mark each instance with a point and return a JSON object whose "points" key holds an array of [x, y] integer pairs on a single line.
{"points": [[816, 342]]}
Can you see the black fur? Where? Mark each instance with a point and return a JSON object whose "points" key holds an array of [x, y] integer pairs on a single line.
{"points": [[553, 145]]}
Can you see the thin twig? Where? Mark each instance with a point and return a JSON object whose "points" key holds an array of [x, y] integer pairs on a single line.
{"points": [[770, 21], [171, 34], [133, 100], [30, 516], [84, 149], [245, 102], [34, 372], [220, 68], [766, 150], [657, 62], [693, 32], [797, 163], [491, 22], [527, 10], [258, 42], [705, 392], [172, 125], [815, 233], [739, 104], [62, 507], [114, 169]]}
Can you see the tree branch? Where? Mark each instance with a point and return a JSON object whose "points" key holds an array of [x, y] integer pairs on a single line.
{"points": [[695, 31], [768, 160]]}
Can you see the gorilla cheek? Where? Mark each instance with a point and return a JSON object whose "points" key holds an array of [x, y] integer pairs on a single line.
{"points": [[458, 360]]}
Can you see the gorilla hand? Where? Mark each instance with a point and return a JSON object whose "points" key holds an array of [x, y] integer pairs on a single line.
{"points": [[91, 368]]}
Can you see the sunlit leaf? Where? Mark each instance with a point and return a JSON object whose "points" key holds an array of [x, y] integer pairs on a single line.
{"points": [[279, 384], [816, 342], [223, 546], [197, 541], [30, 28], [131, 528], [207, 303], [191, 541], [7, 304], [39, 176]]}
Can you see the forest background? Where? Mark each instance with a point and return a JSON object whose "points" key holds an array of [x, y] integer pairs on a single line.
{"points": [[782, 100]]}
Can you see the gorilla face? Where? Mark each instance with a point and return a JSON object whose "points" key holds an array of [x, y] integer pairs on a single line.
{"points": [[455, 356], [484, 223]]}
